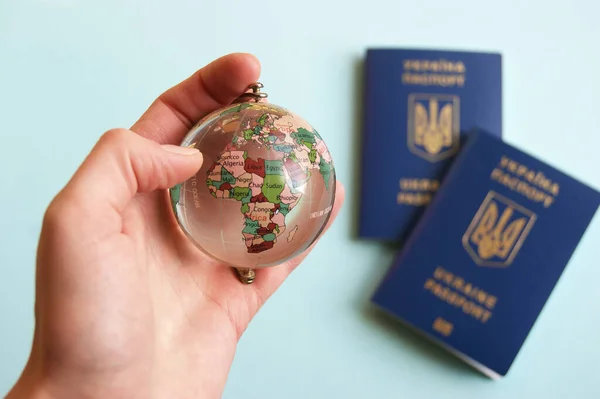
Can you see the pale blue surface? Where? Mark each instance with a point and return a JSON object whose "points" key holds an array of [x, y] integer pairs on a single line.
{"points": [[72, 69]]}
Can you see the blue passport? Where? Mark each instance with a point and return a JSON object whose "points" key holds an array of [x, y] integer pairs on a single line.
{"points": [[485, 256], [419, 105]]}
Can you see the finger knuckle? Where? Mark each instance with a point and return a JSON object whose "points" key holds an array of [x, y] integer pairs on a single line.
{"points": [[115, 137], [57, 213]]}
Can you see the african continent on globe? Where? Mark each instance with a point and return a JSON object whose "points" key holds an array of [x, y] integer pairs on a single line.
{"points": [[266, 188]]}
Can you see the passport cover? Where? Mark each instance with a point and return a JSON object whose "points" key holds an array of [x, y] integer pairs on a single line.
{"points": [[483, 260], [418, 107]]}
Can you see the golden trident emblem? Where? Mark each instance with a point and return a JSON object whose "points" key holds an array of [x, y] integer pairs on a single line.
{"points": [[433, 129], [497, 231], [495, 236]]}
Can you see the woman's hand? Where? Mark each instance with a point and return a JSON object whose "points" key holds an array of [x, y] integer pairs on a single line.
{"points": [[126, 307]]}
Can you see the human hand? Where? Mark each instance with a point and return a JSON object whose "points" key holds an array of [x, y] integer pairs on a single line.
{"points": [[126, 306]]}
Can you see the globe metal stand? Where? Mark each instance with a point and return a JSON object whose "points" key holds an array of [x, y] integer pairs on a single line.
{"points": [[247, 276]]}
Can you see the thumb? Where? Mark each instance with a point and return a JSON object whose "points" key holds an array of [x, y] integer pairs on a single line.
{"points": [[122, 164]]}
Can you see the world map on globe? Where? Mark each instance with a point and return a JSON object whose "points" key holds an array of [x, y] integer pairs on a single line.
{"points": [[266, 165]]}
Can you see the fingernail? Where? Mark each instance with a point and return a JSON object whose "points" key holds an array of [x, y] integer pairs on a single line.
{"points": [[180, 150]]}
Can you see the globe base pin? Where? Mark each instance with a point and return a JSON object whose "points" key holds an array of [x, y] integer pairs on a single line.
{"points": [[246, 276]]}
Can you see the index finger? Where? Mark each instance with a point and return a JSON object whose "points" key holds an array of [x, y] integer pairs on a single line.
{"points": [[217, 84]]}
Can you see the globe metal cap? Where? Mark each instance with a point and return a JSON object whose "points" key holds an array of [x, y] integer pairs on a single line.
{"points": [[254, 93]]}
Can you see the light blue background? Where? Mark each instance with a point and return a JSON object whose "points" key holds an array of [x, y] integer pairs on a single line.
{"points": [[71, 69]]}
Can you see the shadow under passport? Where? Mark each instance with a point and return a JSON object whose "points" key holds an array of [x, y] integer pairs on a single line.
{"points": [[358, 126], [358, 112], [386, 324], [417, 342], [389, 328]]}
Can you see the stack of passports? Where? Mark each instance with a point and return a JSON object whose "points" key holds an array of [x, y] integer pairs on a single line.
{"points": [[487, 252], [419, 107], [486, 229]]}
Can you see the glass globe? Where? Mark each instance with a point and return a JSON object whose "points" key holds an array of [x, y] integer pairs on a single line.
{"points": [[265, 190]]}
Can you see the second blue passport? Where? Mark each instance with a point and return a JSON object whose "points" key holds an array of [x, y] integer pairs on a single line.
{"points": [[419, 106], [483, 260]]}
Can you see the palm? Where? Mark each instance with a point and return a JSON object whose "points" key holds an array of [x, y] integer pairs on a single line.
{"points": [[126, 305], [184, 280], [147, 294], [166, 317]]}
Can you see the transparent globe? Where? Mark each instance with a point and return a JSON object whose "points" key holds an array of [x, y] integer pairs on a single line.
{"points": [[265, 190]]}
